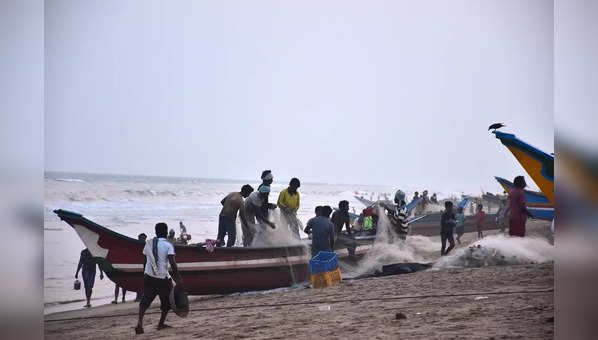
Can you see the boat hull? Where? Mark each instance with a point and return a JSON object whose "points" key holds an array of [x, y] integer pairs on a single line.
{"points": [[225, 270]]}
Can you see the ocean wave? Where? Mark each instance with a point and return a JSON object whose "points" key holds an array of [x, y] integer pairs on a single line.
{"points": [[77, 180], [152, 192]]}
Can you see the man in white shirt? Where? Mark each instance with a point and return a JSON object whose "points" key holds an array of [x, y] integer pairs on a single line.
{"points": [[156, 280]]}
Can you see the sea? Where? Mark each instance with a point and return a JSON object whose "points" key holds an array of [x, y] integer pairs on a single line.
{"points": [[131, 205]]}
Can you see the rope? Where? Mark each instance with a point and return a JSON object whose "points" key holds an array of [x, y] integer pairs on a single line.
{"points": [[282, 304]]}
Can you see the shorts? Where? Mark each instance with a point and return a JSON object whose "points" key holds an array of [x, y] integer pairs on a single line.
{"points": [[153, 286], [447, 235]]}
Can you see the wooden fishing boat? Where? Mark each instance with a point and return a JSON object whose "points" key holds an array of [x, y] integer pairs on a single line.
{"points": [[225, 270]]}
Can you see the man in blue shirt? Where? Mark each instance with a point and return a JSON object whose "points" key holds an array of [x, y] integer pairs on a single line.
{"points": [[322, 232]]}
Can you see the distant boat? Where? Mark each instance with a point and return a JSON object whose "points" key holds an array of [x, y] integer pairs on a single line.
{"points": [[538, 164], [408, 207], [429, 225], [537, 203]]}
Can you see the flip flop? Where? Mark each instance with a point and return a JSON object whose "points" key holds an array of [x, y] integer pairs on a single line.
{"points": [[138, 330], [163, 326]]}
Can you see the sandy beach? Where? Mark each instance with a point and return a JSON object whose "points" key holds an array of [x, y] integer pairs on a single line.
{"points": [[514, 301], [490, 302]]}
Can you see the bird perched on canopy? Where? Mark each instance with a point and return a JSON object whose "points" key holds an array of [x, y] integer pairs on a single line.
{"points": [[495, 126]]}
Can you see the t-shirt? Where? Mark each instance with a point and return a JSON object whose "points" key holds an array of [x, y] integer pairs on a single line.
{"points": [[285, 199], [516, 199], [310, 224], [460, 217], [340, 219], [165, 248], [88, 263], [322, 230], [447, 221], [252, 204], [232, 203]]}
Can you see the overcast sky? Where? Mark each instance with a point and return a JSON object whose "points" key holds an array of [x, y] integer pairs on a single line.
{"points": [[376, 92]]}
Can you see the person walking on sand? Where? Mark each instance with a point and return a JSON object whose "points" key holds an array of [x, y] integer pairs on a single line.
{"points": [[158, 253], [231, 204], [88, 264], [322, 232], [288, 202], [254, 215], [116, 289], [480, 218], [518, 213], [460, 227], [447, 223]]}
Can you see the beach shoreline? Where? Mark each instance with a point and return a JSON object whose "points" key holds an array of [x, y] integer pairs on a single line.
{"points": [[501, 302]]}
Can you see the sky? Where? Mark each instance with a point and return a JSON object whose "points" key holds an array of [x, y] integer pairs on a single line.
{"points": [[396, 93]]}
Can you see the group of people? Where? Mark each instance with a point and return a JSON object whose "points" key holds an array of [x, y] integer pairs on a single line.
{"points": [[515, 211], [253, 208]]}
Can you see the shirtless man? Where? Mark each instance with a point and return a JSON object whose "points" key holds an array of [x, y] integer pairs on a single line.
{"points": [[232, 203]]}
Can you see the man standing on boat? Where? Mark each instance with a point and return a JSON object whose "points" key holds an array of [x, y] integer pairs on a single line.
{"points": [[254, 214], [267, 179], [158, 253], [288, 202], [88, 263], [231, 204]]}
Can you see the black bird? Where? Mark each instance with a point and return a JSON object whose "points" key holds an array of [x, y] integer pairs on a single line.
{"points": [[495, 126]]}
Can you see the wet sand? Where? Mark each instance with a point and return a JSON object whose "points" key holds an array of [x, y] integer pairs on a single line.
{"points": [[494, 302]]}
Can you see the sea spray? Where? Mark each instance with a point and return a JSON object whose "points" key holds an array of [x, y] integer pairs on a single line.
{"points": [[277, 237], [388, 248], [499, 250]]}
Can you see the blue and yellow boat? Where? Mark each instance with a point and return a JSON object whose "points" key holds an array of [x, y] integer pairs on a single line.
{"points": [[537, 203], [538, 164]]}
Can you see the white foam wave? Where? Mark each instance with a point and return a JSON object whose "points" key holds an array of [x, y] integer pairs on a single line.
{"points": [[499, 250], [77, 180]]}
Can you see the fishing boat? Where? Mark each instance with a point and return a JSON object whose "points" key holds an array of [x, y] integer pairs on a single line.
{"points": [[537, 203], [225, 270]]}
